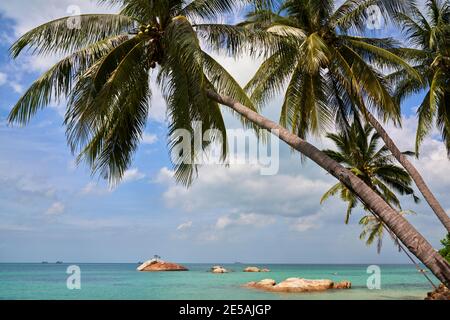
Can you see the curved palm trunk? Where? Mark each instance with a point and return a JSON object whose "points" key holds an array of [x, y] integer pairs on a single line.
{"points": [[410, 237], [415, 175]]}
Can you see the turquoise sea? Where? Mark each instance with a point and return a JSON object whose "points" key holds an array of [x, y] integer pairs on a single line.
{"points": [[122, 281]]}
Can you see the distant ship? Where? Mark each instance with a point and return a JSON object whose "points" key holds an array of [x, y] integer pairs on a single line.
{"points": [[59, 262], [44, 262]]}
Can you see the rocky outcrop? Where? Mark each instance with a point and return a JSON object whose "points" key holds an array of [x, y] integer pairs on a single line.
{"points": [[218, 269], [255, 269], [342, 285], [296, 285], [159, 265], [441, 293]]}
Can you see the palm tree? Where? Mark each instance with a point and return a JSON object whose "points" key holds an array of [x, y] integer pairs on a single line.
{"points": [[332, 75], [358, 151], [445, 251], [393, 220], [105, 77], [374, 230], [429, 35]]}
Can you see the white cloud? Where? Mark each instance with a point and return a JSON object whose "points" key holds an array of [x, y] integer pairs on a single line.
{"points": [[242, 68], [27, 184], [132, 175], [244, 219], [3, 78], [56, 209], [433, 161], [231, 193], [17, 87], [185, 226], [242, 189], [93, 188], [149, 138], [308, 223], [41, 11], [14, 227]]}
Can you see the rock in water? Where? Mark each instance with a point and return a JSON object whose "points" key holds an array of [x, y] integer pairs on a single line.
{"points": [[255, 269], [303, 285], [442, 293], [218, 269], [159, 265], [265, 283], [296, 285], [342, 285], [251, 269]]}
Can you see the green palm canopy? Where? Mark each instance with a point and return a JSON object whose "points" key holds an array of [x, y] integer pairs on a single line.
{"points": [[359, 150], [105, 74], [326, 70], [429, 37]]}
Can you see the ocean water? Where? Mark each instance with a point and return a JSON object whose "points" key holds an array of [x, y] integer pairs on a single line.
{"points": [[122, 281]]}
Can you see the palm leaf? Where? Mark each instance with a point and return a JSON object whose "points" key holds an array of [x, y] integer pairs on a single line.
{"points": [[57, 82], [55, 37]]}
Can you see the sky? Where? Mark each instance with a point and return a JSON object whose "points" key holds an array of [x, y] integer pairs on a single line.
{"points": [[51, 209]]}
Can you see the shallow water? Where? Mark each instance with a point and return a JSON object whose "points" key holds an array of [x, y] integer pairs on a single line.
{"points": [[122, 281]]}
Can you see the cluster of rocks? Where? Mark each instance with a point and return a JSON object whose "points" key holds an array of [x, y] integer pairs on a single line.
{"points": [[255, 269], [297, 285], [441, 293], [160, 265], [220, 269], [293, 285]]}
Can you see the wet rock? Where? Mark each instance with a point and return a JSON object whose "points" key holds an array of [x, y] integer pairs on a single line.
{"points": [[295, 285], [159, 265]]}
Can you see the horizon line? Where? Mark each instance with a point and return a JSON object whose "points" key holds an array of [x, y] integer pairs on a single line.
{"points": [[246, 263]]}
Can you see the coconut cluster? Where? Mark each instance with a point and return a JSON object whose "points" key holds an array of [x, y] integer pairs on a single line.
{"points": [[147, 30], [154, 33]]}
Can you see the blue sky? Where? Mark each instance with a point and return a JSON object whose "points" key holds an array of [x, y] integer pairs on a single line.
{"points": [[52, 210]]}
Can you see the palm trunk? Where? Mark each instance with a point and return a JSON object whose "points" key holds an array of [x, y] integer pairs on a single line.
{"points": [[415, 175], [409, 236]]}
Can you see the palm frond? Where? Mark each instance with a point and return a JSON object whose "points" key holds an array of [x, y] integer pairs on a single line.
{"points": [[184, 83], [57, 82], [271, 76], [236, 41], [206, 9], [57, 37], [383, 57], [373, 85], [108, 139]]}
